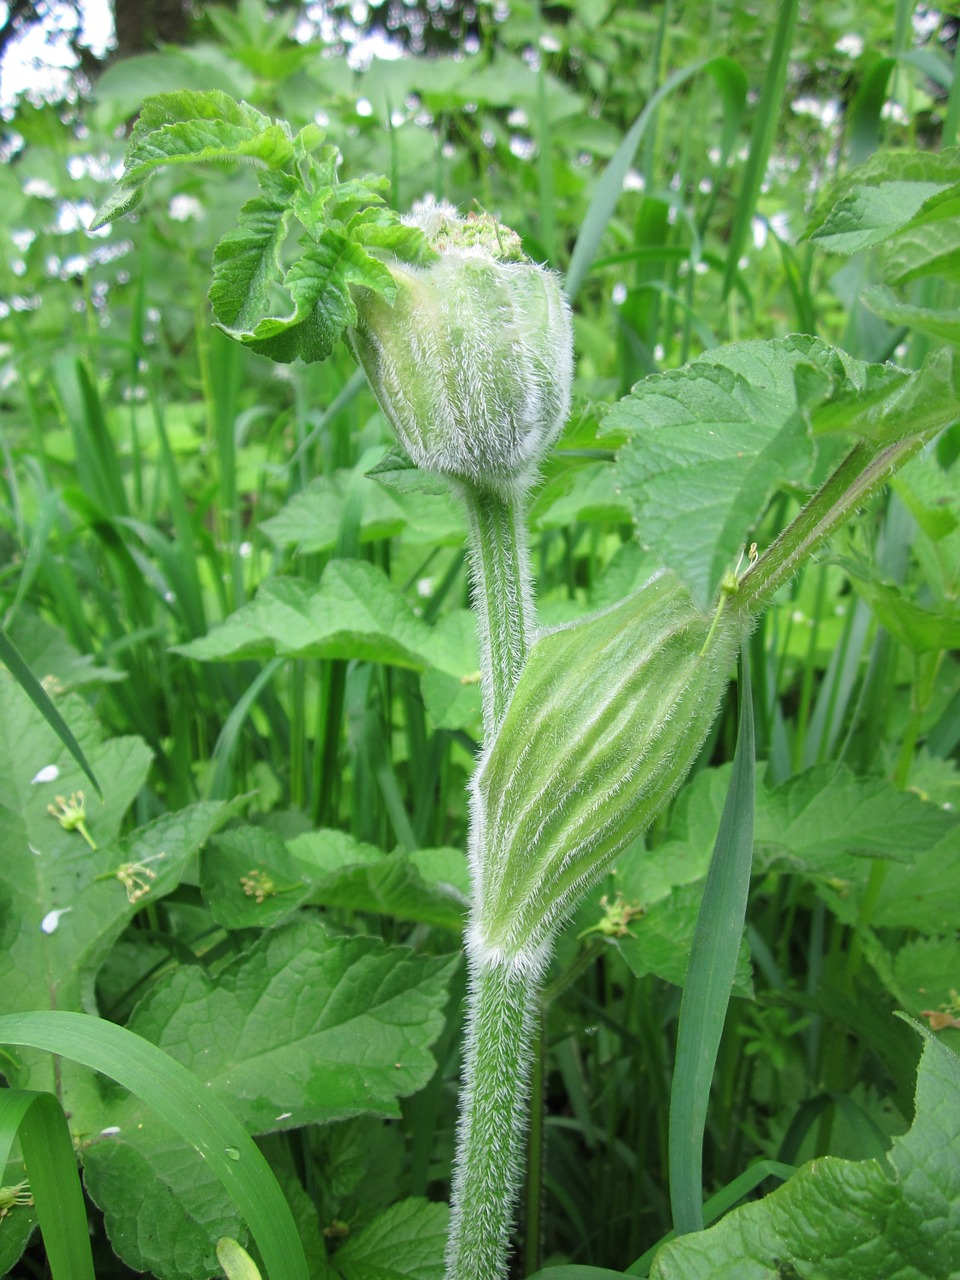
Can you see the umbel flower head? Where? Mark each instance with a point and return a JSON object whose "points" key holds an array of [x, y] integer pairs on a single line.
{"points": [[472, 363]]}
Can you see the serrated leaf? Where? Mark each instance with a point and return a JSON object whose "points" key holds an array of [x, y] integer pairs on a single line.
{"points": [[310, 521], [711, 443], [846, 1220], [249, 880], [306, 1027], [354, 612], [660, 939], [246, 263], [429, 886], [164, 1208], [318, 284], [404, 1243]]}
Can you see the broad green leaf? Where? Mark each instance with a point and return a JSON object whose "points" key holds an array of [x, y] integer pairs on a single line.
{"points": [[924, 893], [404, 1243], [941, 324], [929, 245], [318, 283], [249, 880], [59, 917], [53, 659], [871, 215], [164, 1208], [357, 1044], [873, 201], [846, 1220], [310, 521], [712, 442], [827, 820], [925, 972], [429, 886], [304, 1028], [353, 612], [920, 630], [661, 936]]}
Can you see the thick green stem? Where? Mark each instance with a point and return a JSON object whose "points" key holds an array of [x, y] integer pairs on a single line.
{"points": [[502, 594], [501, 1019], [501, 1026]]}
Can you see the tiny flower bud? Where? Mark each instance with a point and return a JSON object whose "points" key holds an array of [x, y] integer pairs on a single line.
{"points": [[472, 363]]}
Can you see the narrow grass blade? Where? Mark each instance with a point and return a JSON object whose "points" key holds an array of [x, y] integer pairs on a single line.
{"points": [[218, 787], [766, 119], [11, 658], [731, 82], [179, 1098], [46, 515], [721, 1203], [713, 960], [38, 1120]]}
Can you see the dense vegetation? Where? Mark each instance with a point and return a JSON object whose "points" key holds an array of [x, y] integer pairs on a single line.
{"points": [[253, 615]]}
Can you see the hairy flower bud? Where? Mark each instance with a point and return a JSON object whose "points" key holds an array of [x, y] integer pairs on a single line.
{"points": [[606, 720], [472, 363]]}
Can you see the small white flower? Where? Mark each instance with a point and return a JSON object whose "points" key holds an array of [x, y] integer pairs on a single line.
{"points": [[49, 773]]}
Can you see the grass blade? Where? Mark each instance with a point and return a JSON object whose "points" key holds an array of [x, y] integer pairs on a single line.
{"points": [[730, 81], [12, 659], [713, 960], [47, 1147], [764, 131], [179, 1098]]}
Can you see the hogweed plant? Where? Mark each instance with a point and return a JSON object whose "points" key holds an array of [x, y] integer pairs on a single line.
{"points": [[590, 728]]}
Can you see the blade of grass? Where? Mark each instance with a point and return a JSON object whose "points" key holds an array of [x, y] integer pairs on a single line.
{"points": [[765, 124], [178, 1097], [38, 1120], [12, 659], [709, 981], [46, 516], [732, 84]]}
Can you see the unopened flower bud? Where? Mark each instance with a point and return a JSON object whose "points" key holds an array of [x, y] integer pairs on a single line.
{"points": [[606, 720], [472, 363]]}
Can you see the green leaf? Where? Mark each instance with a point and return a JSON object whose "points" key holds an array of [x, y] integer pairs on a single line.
{"points": [[249, 880], [318, 283], [404, 1243], [358, 1043], [429, 886], [354, 612], [37, 1120], [712, 442], [845, 1220], [920, 630], [17, 666], [164, 1207], [710, 975], [202, 1121], [884, 303], [310, 521], [874, 201], [247, 270], [235, 1261]]}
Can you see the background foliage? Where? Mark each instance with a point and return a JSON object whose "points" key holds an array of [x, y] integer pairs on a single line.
{"points": [[283, 795]]}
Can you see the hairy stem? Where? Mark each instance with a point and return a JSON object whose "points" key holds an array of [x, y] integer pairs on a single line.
{"points": [[501, 1020], [501, 1026], [502, 594]]}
